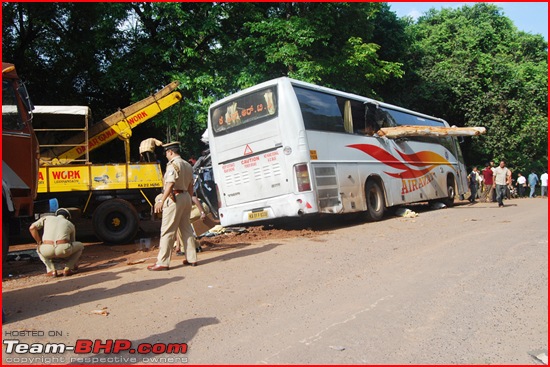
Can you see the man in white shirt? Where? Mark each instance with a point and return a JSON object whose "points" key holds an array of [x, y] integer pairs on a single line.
{"points": [[502, 177], [521, 183], [544, 184]]}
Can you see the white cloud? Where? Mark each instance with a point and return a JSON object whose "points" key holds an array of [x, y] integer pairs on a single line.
{"points": [[415, 14]]}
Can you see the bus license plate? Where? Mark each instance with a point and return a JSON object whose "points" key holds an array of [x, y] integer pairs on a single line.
{"points": [[257, 215]]}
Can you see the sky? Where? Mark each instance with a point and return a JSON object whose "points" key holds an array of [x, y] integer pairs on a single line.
{"points": [[530, 17]]}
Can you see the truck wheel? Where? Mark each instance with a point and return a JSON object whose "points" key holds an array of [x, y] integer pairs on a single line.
{"points": [[375, 201], [116, 221]]}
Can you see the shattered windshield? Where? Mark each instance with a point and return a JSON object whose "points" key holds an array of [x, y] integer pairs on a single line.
{"points": [[245, 111]]}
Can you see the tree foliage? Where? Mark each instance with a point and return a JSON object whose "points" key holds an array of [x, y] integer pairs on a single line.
{"points": [[474, 68], [470, 66]]}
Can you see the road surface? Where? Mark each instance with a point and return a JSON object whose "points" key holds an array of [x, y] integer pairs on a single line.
{"points": [[466, 285]]}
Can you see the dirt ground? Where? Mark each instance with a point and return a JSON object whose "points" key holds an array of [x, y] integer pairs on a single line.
{"points": [[29, 270]]}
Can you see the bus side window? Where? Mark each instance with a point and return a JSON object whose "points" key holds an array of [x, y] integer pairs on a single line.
{"points": [[372, 117]]}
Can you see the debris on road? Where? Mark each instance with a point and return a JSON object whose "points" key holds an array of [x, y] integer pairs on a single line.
{"points": [[406, 213], [102, 312], [338, 348], [540, 355], [140, 261]]}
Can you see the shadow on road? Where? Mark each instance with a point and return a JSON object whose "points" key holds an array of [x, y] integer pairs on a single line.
{"points": [[39, 300], [183, 332]]}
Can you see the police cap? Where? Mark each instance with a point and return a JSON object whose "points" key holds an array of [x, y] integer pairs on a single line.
{"points": [[64, 212], [171, 146]]}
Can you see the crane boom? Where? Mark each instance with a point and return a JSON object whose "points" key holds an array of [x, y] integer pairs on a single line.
{"points": [[119, 124]]}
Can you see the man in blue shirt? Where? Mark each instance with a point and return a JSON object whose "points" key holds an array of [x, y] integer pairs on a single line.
{"points": [[533, 180]]}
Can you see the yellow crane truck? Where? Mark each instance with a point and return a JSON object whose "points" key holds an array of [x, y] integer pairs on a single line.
{"points": [[116, 196]]}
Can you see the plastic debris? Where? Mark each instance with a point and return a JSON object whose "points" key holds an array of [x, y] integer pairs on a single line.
{"points": [[337, 347], [406, 213], [217, 229], [540, 355]]}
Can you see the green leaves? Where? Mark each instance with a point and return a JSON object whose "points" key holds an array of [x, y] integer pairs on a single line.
{"points": [[480, 71], [470, 65]]}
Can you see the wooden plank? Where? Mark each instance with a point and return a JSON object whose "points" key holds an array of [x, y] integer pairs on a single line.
{"points": [[404, 131]]}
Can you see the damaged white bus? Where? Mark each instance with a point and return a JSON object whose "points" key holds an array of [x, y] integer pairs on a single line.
{"points": [[285, 148]]}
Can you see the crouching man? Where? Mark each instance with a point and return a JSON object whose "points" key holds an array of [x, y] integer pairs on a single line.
{"points": [[57, 242]]}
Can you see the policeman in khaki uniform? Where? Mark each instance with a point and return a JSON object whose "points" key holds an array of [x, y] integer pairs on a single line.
{"points": [[57, 241], [175, 206]]}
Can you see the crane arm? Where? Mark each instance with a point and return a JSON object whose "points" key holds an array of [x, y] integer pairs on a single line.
{"points": [[116, 125]]}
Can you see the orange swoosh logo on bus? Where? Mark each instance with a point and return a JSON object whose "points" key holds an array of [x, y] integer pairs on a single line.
{"points": [[424, 160]]}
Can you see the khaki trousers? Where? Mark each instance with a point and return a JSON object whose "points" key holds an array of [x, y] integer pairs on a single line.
{"points": [[69, 251], [175, 216], [487, 193]]}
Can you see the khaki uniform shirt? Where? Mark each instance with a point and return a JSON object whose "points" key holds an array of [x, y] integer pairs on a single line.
{"points": [[148, 145], [56, 228], [179, 172]]}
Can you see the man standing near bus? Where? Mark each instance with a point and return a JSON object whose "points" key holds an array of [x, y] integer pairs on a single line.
{"points": [[175, 206], [488, 180], [473, 183], [544, 184], [532, 180], [502, 177]]}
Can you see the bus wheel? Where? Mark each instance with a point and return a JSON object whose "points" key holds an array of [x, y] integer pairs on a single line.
{"points": [[115, 221], [450, 199], [375, 201]]}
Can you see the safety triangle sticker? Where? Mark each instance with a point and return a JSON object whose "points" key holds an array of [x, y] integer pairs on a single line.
{"points": [[247, 150]]}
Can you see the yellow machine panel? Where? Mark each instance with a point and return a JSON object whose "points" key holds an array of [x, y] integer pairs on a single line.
{"points": [[99, 177]]}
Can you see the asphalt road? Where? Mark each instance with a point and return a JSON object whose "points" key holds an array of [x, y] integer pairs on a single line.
{"points": [[466, 285]]}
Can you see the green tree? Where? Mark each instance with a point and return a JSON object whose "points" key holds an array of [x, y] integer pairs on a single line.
{"points": [[472, 67]]}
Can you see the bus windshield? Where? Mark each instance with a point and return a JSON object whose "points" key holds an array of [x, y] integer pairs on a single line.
{"points": [[250, 109]]}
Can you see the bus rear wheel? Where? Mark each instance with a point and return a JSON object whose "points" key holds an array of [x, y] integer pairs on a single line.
{"points": [[375, 201], [451, 193], [116, 221]]}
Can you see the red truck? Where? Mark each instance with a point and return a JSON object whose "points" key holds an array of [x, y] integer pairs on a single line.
{"points": [[20, 155]]}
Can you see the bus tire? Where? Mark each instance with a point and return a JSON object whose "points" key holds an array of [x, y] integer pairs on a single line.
{"points": [[375, 201], [449, 201], [115, 221]]}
